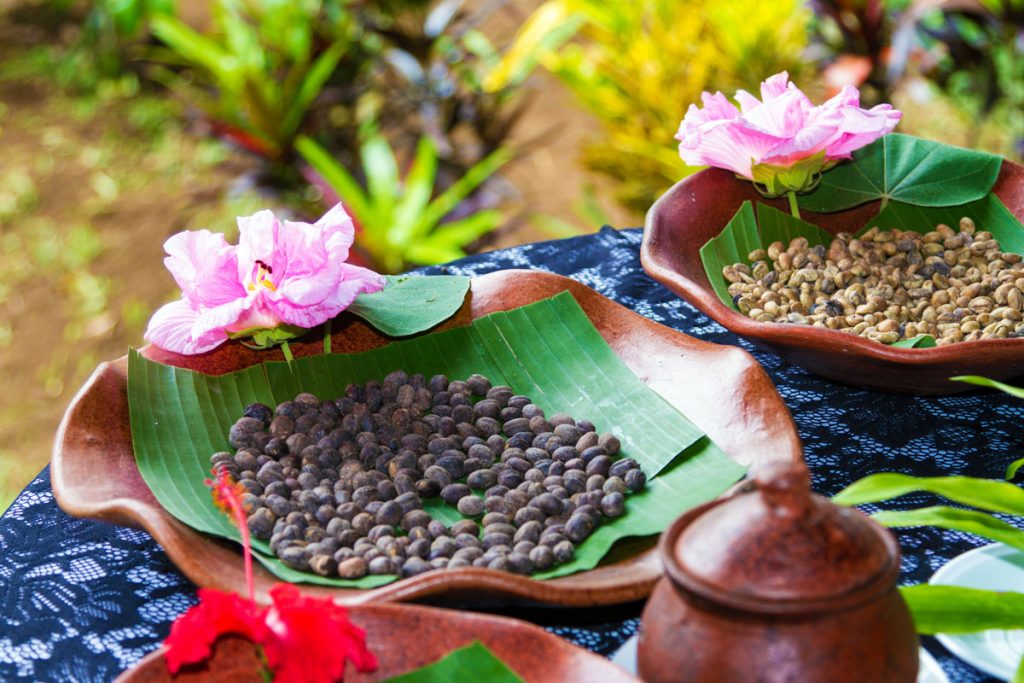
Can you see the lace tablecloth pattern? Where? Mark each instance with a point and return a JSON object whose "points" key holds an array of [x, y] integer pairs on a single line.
{"points": [[83, 600]]}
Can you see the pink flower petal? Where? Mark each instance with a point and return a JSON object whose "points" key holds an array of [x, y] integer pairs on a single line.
{"points": [[256, 314], [781, 116], [776, 86], [171, 328], [861, 127], [356, 280], [303, 270], [204, 265], [212, 322], [729, 145], [747, 101], [256, 237]]}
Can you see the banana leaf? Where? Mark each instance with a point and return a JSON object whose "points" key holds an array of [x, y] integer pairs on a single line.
{"points": [[921, 341], [474, 662], [548, 350]]}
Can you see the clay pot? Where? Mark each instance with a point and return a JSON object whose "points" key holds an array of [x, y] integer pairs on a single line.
{"points": [[777, 584]]}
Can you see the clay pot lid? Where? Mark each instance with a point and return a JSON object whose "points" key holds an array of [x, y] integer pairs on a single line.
{"points": [[781, 547]]}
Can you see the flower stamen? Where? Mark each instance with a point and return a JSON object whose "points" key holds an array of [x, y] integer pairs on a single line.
{"points": [[261, 277]]}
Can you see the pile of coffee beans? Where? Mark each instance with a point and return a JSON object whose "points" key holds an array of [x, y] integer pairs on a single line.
{"points": [[338, 486], [888, 285]]}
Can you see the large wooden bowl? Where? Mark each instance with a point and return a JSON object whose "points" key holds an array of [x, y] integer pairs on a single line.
{"points": [[405, 638], [721, 389], [699, 207]]}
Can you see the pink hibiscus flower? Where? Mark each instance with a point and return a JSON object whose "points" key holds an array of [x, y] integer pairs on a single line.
{"points": [[280, 273], [782, 140]]}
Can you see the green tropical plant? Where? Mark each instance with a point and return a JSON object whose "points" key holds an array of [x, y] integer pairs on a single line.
{"points": [[638, 65], [263, 66], [402, 221], [954, 609]]}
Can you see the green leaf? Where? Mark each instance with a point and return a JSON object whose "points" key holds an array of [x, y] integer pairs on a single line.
{"points": [[474, 662], [955, 609], [744, 234], [444, 203], [1016, 392], [337, 176], [419, 186], [906, 169], [988, 213], [381, 170], [408, 305], [312, 84], [195, 47], [548, 350], [971, 521], [921, 341], [1012, 470], [986, 494]]}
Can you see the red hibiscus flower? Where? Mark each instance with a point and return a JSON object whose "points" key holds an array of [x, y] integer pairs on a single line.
{"points": [[304, 640]]}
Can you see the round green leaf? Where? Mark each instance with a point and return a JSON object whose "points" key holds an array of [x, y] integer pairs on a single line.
{"points": [[906, 169]]}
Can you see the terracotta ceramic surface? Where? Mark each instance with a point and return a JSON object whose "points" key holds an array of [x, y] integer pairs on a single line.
{"points": [[405, 638], [721, 389], [781, 582], [699, 207]]}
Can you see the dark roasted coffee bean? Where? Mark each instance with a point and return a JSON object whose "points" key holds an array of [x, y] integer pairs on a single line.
{"points": [[516, 426], [352, 568], [481, 479], [478, 385], [635, 480], [414, 566], [471, 506], [510, 478], [519, 563], [579, 527], [599, 465], [547, 504], [528, 514], [428, 488], [528, 531], [542, 557], [442, 546], [390, 513], [614, 485], [295, 557], [381, 565], [530, 411], [453, 493], [563, 552], [613, 504]]}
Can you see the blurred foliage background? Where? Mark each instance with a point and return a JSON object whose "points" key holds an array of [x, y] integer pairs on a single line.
{"points": [[446, 126]]}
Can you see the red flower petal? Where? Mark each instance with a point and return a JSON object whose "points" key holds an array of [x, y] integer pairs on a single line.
{"points": [[309, 639], [217, 614]]}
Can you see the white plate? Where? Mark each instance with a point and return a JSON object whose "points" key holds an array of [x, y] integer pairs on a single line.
{"points": [[929, 671], [992, 567]]}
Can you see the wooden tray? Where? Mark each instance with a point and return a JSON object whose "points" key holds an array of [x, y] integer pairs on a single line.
{"points": [[405, 638], [721, 389], [699, 207]]}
